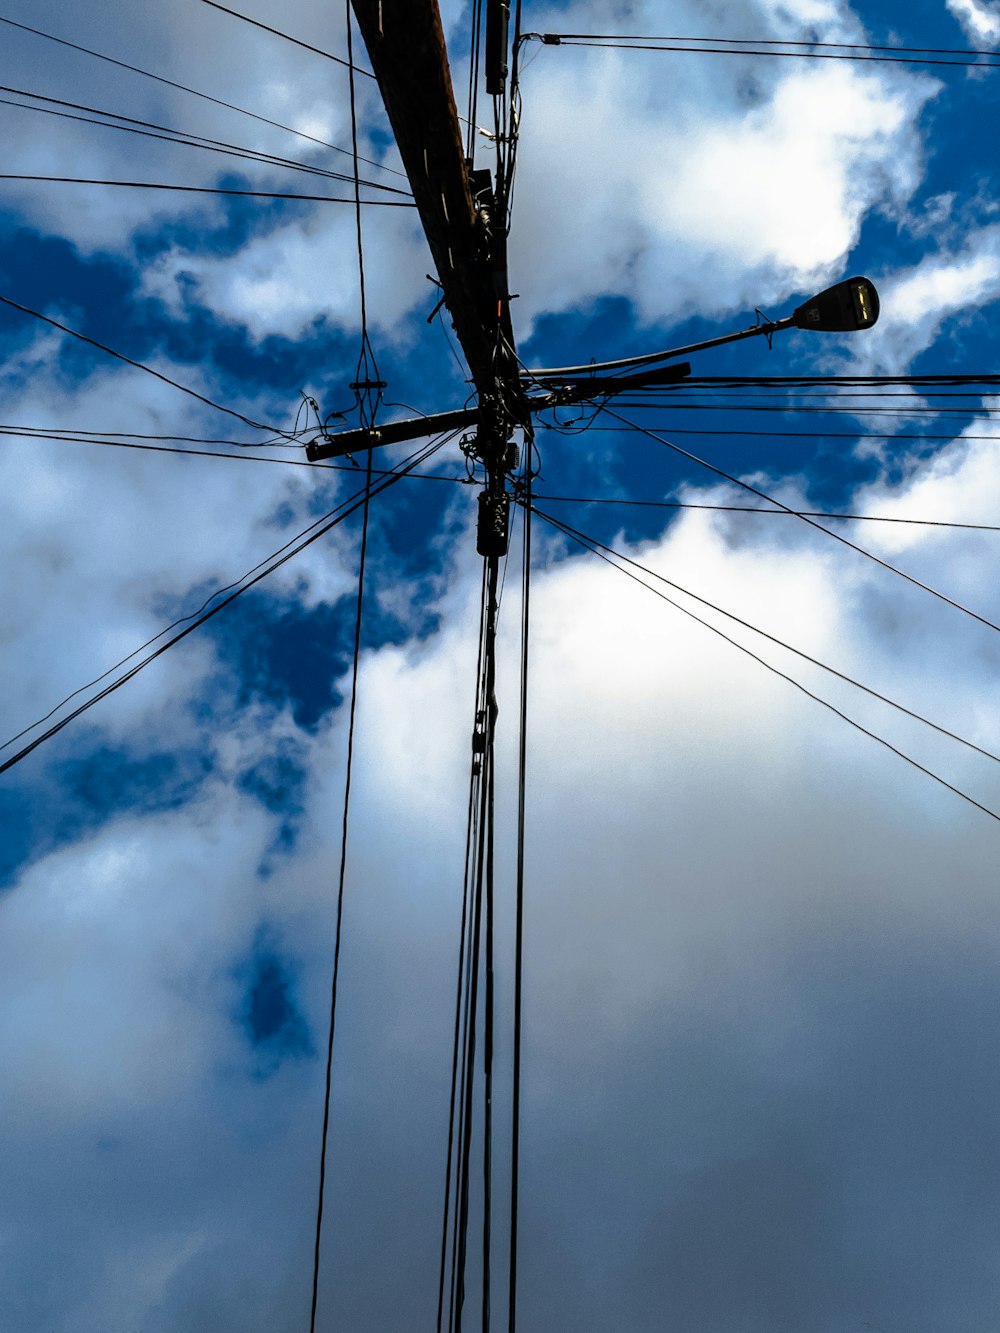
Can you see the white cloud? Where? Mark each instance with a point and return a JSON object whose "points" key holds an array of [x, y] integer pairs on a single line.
{"points": [[979, 19], [918, 303], [734, 190]]}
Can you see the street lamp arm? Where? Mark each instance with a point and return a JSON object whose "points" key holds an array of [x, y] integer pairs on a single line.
{"points": [[843, 308], [558, 373]]}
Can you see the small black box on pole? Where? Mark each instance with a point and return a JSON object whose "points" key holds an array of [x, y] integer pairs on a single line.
{"points": [[497, 28]]}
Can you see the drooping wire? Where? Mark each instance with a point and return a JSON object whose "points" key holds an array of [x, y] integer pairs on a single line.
{"points": [[316, 50], [825, 703], [342, 879], [194, 92], [204, 189], [461, 987], [368, 382], [757, 509], [597, 546], [147, 129], [522, 768], [473, 95], [138, 365], [838, 537], [285, 553], [482, 897], [673, 46]]}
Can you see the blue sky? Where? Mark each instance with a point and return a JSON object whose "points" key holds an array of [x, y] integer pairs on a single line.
{"points": [[761, 951]]}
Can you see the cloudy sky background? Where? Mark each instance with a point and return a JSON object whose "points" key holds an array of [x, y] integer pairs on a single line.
{"points": [[761, 982]]}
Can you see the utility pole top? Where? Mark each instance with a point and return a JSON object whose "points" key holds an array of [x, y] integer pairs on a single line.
{"points": [[406, 46]]}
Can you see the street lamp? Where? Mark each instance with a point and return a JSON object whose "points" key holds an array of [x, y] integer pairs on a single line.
{"points": [[843, 308]]}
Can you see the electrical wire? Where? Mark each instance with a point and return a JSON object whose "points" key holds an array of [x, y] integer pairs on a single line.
{"points": [[284, 553], [838, 537], [460, 987], [872, 735], [194, 92], [522, 771], [202, 189], [166, 133], [276, 32], [668, 45], [352, 713], [756, 509], [137, 365], [598, 546]]}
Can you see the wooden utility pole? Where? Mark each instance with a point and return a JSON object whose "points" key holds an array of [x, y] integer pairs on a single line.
{"points": [[405, 42]]}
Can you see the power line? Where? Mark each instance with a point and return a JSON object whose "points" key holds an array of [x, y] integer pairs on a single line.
{"points": [[598, 546], [768, 41], [284, 553], [207, 97], [152, 130], [137, 365], [673, 45], [756, 509], [790, 679], [216, 453], [276, 32], [202, 189], [352, 714], [838, 537]]}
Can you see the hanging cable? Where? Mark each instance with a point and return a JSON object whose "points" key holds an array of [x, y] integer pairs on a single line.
{"points": [[115, 120], [256, 23], [837, 537], [338, 933], [205, 189], [852, 722], [460, 989], [137, 365], [522, 766], [274, 562], [194, 92], [368, 383], [598, 547], [673, 45]]}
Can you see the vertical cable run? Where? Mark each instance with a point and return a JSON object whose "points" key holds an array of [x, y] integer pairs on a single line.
{"points": [[470, 833], [522, 764], [484, 852], [340, 896], [367, 369]]}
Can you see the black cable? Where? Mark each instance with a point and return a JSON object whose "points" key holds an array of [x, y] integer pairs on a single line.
{"points": [[730, 432], [797, 684], [242, 457], [460, 1227], [207, 97], [617, 45], [368, 380], [773, 41], [594, 544], [256, 23], [152, 130], [461, 972], [838, 537], [756, 509], [137, 365], [203, 189], [290, 549], [522, 769], [483, 887], [340, 890]]}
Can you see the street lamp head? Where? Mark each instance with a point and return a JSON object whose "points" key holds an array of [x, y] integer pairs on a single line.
{"points": [[843, 308]]}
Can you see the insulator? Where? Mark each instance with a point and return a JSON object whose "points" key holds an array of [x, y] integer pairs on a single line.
{"points": [[492, 532]]}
